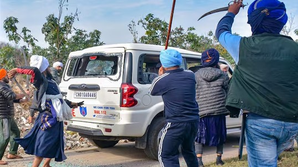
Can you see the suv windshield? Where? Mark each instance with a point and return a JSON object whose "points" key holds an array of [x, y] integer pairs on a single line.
{"points": [[93, 66], [100, 67]]}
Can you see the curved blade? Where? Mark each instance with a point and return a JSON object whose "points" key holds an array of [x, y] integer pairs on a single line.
{"points": [[214, 11], [20, 87]]}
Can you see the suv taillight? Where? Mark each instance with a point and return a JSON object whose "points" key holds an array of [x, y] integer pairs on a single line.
{"points": [[127, 92]]}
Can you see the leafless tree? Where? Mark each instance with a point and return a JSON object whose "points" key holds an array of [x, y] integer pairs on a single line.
{"points": [[290, 26]]}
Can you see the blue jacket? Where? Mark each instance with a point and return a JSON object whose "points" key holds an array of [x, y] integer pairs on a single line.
{"points": [[178, 91]]}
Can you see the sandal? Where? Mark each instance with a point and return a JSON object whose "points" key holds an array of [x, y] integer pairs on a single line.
{"points": [[3, 162], [12, 156]]}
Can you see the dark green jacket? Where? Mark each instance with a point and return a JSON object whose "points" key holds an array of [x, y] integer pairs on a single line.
{"points": [[265, 81]]}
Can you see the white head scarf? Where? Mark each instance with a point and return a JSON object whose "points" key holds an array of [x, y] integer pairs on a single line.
{"points": [[58, 63], [39, 62]]}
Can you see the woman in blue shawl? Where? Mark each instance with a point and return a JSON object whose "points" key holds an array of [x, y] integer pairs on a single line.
{"points": [[45, 140]]}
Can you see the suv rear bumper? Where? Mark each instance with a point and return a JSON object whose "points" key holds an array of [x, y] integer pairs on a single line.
{"points": [[128, 129]]}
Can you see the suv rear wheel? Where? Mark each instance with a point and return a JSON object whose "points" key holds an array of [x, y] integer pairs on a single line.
{"points": [[154, 136], [103, 143]]}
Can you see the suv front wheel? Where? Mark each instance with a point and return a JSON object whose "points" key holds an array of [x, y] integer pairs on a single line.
{"points": [[154, 136]]}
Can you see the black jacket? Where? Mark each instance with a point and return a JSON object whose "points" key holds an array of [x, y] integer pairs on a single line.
{"points": [[7, 98]]}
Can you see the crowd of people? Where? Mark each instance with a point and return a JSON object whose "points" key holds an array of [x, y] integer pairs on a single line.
{"points": [[45, 139], [264, 85]]}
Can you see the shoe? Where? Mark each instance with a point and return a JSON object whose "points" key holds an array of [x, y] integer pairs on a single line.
{"points": [[12, 156], [200, 161], [219, 161], [3, 162], [290, 149]]}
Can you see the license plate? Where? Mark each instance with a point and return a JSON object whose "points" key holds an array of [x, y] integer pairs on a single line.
{"points": [[85, 95]]}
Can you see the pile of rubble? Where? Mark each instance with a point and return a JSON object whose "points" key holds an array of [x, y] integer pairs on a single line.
{"points": [[72, 140]]}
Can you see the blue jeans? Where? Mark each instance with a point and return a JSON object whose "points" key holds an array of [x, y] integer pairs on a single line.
{"points": [[266, 139]]}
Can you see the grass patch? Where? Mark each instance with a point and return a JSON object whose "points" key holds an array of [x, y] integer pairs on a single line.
{"points": [[286, 159]]}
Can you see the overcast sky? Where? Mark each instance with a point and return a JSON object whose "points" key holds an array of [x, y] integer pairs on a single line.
{"points": [[111, 17]]}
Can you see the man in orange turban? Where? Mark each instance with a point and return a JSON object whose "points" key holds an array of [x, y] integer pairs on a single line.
{"points": [[8, 126]]}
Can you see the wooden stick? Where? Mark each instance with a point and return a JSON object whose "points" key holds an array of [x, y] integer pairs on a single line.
{"points": [[170, 24]]}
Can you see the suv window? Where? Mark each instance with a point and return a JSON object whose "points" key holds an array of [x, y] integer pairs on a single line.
{"points": [[229, 72], [71, 65], [193, 64], [148, 68], [93, 65]]}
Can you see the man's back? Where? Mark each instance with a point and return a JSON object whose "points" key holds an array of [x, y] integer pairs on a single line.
{"points": [[265, 79], [211, 92], [177, 88]]}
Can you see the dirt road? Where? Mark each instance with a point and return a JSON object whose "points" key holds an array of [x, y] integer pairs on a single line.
{"points": [[124, 155]]}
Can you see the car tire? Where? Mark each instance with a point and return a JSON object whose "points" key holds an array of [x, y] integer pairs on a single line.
{"points": [[103, 143], [154, 136]]}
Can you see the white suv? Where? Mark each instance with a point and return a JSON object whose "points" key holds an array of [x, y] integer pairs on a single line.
{"points": [[113, 81]]}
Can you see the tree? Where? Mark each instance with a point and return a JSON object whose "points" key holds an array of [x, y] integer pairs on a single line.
{"points": [[37, 50], [10, 57], [56, 32], [13, 34], [155, 30], [224, 53], [156, 33], [81, 39], [296, 33], [94, 39], [133, 31], [288, 28], [11, 29], [178, 38], [63, 37]]}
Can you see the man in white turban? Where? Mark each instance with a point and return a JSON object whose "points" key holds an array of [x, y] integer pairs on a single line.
{"points": [[56, 71]]}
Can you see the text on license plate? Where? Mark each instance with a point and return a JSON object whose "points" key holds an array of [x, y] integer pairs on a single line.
{"points": [[85, 95]]}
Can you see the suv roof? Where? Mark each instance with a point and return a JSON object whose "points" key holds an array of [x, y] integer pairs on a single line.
{"points": [[130, 46]]}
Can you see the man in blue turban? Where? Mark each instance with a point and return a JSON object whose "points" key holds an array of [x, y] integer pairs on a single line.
{"points": [[211, 91], [177, 88], [265, 80], [210, 58]]}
